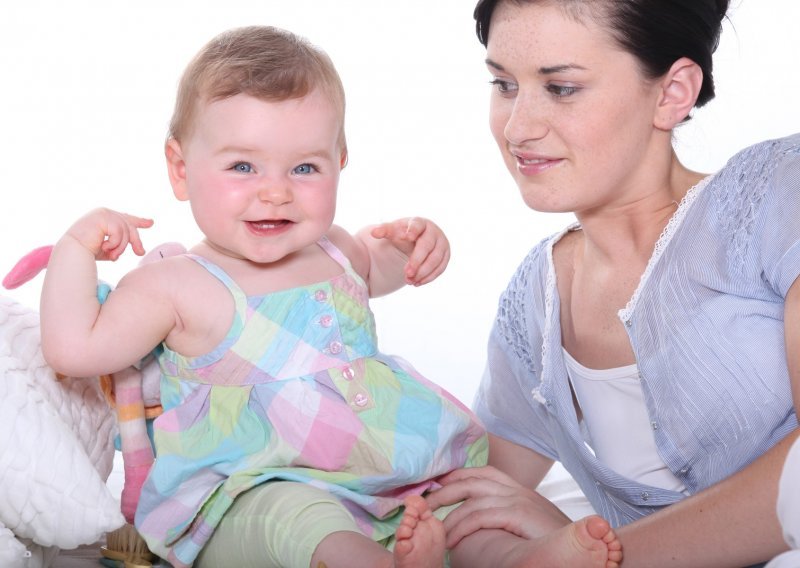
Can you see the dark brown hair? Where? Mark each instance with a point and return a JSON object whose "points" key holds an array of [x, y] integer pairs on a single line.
{"points": [[656, 32]]}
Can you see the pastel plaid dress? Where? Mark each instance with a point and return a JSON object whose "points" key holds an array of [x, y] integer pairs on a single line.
{"points": [[297, 391]]}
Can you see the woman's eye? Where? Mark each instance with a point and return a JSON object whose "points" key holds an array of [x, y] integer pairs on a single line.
{"points": [[304, 169], [503, 86], [242, 167], [561, 90]]}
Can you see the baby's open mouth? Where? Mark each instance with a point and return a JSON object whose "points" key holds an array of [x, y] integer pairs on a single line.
{"points": [[267, 224]]}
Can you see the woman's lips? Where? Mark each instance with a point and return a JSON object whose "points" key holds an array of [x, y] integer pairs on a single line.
{"points": [[532, 165]]}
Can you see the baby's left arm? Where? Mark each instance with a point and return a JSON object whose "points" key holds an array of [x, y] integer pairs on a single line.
{"points": [[412, 251]]}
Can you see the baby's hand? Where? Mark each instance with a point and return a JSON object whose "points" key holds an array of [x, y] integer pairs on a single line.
{"points": [[423, 242], [106, 233]]}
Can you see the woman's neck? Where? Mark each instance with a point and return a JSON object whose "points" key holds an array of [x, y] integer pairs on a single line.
{"points": [[625, 233]]}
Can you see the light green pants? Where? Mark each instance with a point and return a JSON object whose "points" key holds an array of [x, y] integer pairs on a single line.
{"points": [[279, 525]]}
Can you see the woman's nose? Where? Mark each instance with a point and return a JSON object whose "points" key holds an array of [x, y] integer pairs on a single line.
{"points": [[527, 121]]}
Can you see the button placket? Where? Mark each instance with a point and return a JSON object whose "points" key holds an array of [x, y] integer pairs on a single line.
{"points": [[358, 396]]}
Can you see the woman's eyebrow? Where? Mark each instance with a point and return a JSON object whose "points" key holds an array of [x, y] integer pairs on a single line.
{"points": [[549, 70]]}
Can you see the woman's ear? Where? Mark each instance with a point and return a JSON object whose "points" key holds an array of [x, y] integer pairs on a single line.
{"points": [[176, 169], [343, 159], [680, 88]]}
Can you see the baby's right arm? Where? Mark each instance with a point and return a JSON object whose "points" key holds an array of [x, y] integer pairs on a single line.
{"points": [[81, 337]]}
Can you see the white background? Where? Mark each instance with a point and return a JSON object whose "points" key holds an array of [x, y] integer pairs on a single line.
{"points": [[87, 90]]}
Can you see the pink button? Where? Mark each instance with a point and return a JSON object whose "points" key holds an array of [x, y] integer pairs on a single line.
{"points": [[348, 373], [326, 321], [360, 399], [335, 347], [321, 295]]}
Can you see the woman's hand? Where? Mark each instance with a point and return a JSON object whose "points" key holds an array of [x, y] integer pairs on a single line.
{"points": [[493, 500], [424, 243], [106, 233]]}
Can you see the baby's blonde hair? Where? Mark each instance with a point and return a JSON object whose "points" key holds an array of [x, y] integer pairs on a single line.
{"points": [[264, 62]]}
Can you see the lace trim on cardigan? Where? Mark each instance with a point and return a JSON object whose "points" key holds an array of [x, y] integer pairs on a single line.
{"points": [[739, 186], [661, 244], [549, 294]]}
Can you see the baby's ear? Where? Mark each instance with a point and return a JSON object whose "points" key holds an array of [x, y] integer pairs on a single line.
{"points": [[176, 169]]}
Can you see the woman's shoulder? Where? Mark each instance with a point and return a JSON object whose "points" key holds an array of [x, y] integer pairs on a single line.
{"points": [[753, 196], [749, 177], [536, 266], [751, 169], [524, 301]]}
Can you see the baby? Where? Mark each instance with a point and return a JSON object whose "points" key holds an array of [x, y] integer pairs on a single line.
{"points": [[287, 438]]}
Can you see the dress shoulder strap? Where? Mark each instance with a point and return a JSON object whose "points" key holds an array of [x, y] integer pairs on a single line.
{"points": [[337, 255], [239, 297]]}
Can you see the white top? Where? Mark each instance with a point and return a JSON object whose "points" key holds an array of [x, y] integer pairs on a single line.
{"points": [[620, 432]]}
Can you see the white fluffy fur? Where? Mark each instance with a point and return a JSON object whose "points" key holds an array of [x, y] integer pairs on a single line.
{"points": [[56, 445]]}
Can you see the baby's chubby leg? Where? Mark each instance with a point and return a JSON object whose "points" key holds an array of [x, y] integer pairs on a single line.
{"points": [[280, 523], [285, 523]]}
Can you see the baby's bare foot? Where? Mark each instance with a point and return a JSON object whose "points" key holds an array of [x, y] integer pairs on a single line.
{"points": [[597, 529], [420, 537], [587, 543]]}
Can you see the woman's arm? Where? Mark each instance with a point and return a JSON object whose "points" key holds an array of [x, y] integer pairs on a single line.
{"points": [[734, 522]]}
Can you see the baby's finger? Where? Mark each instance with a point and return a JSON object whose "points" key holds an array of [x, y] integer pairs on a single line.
{"points": [[400, 230], [379, 231], [414, 228], [432, 267], [139, 222], [136, 243], [135, 223], [430, 256], [115, 242]]}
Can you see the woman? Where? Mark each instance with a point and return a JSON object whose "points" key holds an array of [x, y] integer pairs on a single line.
{"points": [[651, 347]]}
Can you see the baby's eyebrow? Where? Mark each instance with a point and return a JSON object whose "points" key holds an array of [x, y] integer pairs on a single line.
{"points": [[234, 150]]}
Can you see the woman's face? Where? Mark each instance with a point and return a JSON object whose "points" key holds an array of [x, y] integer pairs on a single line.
{"points": [[570, 110]]}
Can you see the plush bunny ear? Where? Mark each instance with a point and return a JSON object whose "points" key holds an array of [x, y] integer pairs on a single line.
{"points": [[28, 266], [163, 250]]}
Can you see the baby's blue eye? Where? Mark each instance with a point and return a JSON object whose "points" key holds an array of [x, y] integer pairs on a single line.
{"points": [[304, 169], [243, 167]]}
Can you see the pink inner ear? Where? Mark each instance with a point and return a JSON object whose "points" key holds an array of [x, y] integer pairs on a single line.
{"points": [[28, 266]]}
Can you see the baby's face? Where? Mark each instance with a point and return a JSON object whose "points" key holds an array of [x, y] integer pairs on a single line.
{"points": [[261, 177]]}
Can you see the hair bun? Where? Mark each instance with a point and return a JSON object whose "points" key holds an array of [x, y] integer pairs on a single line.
{"points": [[722, 8]]}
